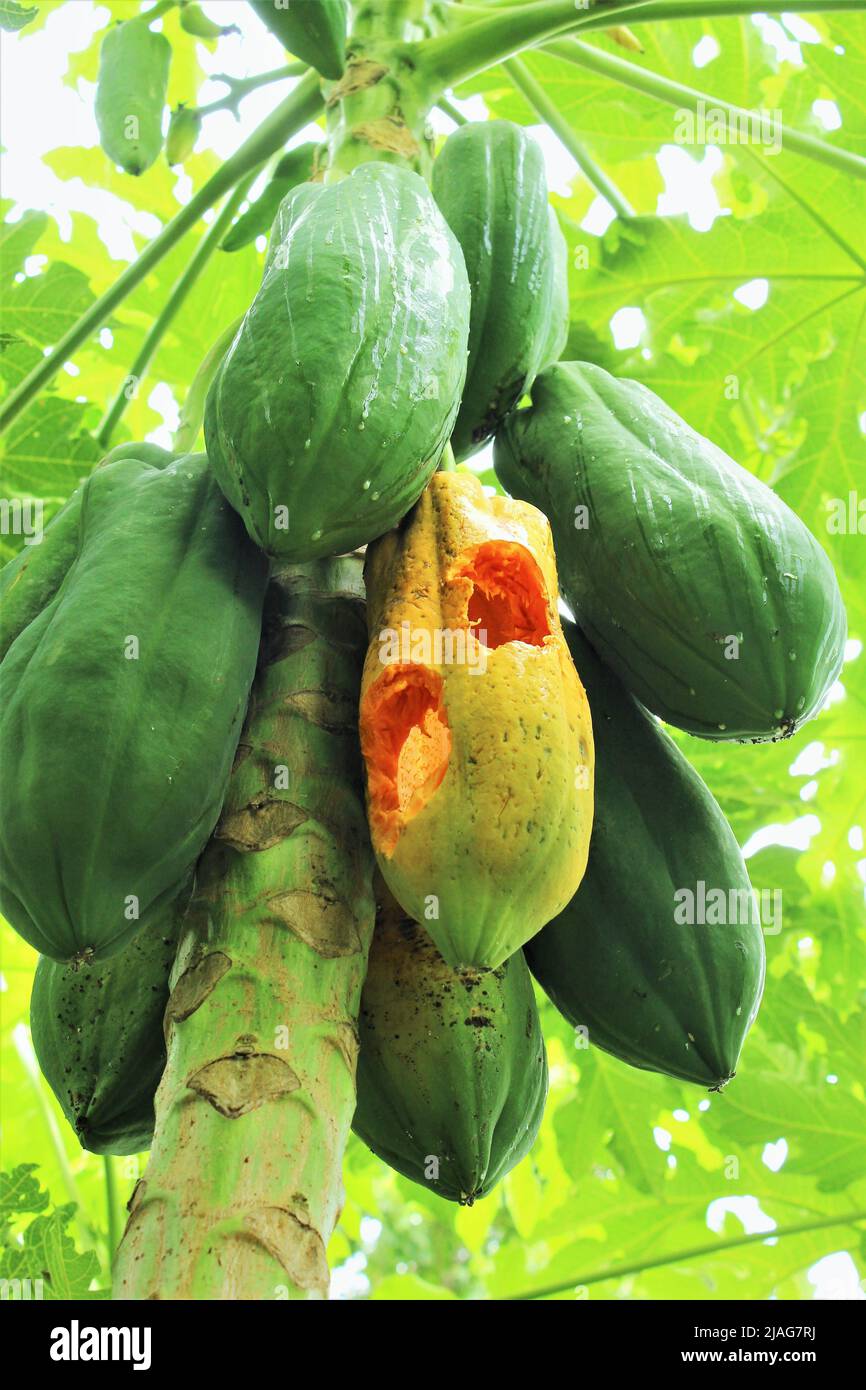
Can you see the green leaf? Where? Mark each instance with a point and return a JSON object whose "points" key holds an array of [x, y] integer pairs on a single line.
{"points": [[44, 1257], [41, 308], [14, 16], [17, 240]]}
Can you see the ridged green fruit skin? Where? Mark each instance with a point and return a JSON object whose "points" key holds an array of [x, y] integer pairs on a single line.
{"points": [[696, 583], [452, 1071], [336, 399], [560, 304], [131, 89], [490, 183], [33, 576], [121, 703], [97, 1034], [658, 993], [313, 30]]}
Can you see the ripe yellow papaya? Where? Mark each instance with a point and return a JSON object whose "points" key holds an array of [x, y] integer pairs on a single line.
{"points": [[475, 727]]}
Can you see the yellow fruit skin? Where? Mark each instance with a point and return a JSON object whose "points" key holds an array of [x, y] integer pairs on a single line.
{"points": [[490, 854]]}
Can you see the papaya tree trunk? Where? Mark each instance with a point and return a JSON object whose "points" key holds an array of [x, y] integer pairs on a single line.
{"points": [[379, 108], [243, 1187]]}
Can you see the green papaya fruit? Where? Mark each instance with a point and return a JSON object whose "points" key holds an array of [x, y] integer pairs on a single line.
{"points": [[452, 1069], [193, 20], [560, 306], [152, 454], [183, 132], [121, 703], [336, 399], [696, 583], [629, 958], [489, 182], [289, 212], [97, 1034], [313, 30], [131, 90], [33, 576]]}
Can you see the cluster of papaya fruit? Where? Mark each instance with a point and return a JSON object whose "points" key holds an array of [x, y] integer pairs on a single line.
{"points": [[527, 811], [135, 62]]}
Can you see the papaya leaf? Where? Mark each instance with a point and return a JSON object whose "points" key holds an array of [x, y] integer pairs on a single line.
{"points": [[44, 1262], [14, 17]]}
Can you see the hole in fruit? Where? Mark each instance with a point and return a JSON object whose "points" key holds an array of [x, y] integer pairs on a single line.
{"points": [[406, 744], [508, 598]]}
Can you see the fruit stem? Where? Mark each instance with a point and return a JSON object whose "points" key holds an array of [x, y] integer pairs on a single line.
{"points": [[112, 1224], [451, 111], [447, 463]]}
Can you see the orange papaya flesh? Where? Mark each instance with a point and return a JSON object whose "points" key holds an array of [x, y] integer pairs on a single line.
{"points": [[406, 745]]}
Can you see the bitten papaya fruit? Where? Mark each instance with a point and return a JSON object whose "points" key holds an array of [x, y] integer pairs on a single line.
{"points": [[660, 953], [98, 1038], [696, 583], [490, 183], [452, 1069], [475, 728], [336, 399], [122, 695]]}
